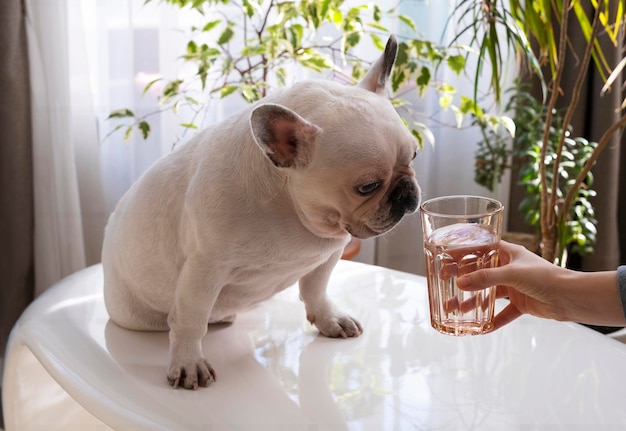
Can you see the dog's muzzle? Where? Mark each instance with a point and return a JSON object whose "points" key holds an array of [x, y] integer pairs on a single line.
{"points": [[404, 199]]}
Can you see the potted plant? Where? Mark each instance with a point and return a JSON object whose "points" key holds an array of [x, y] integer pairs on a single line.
{"points": [[557, 166], [499, 151]]}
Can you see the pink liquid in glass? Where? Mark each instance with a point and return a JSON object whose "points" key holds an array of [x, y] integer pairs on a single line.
{"points": [[450, 252]]}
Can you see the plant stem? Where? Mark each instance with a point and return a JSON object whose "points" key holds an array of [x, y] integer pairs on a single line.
{"points": [[604, 140], [564, 207], [259, 34], [548, 202]]}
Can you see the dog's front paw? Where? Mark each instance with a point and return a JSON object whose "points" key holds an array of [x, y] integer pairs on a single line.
{"points": [[336, 324], [191, 375]]}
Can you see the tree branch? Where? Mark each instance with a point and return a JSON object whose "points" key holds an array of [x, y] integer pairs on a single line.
{"points": [[576, 90], [604, 140]]}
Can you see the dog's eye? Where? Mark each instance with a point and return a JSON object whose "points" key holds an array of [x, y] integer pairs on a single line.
{"points": [[368, 188], [413, 158]]}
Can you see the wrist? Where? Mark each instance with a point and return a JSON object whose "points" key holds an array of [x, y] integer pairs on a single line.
{"points": [[590, 297], [566, 294]]}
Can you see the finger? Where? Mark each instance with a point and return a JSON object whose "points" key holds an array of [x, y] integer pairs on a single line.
{"points": [[482, 279]]}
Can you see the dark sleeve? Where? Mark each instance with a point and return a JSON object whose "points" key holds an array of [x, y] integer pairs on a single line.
{"points": [[621, 284]]}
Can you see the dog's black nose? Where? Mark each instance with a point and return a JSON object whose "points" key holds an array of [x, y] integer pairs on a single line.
{"points": [[404, 198]]}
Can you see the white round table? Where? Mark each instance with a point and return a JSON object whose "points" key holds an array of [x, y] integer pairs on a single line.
{"points": [[69, 368]]}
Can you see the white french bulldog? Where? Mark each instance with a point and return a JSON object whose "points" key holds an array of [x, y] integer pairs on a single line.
{"points": [[265, 199]]}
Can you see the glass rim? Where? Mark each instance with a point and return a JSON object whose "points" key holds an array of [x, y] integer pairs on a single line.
{"points": [[499, 206]]}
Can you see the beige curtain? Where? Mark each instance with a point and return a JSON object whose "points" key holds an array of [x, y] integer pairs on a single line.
{"points": [[16, 188], [594, 114]]}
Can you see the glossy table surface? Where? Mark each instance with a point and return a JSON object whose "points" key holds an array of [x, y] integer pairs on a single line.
{"points": [[276, 373]]}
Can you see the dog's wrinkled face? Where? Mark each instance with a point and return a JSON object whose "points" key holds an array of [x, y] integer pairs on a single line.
{"points": [[349, 162], [359, 179]]}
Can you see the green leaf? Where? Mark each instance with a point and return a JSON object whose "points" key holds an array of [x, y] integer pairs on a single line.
{"points": [[226, 36], [456, 63], [423, 80], [378, 26], [377, 14], [419, 137], [397, 79], [149, 85], [121, 113], [189, 125], [252, 50], [469, 106], [144, 127], [315, 61], [192, 47], [425, 132], [408, 21], [446, 88], [227, 90], [614, 75], [171, 89], [508, 124], [210, 52], [402, 57], [128, 134], [295, 34], [250, 93], [445, 101], [378, 42], [336, 17], [281, 76], [248, 8], [197, 4], [458, 115], [211, 25], [324, 8], [352, 39]]}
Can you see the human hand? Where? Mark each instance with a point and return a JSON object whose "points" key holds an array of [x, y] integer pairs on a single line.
{"points": [[526, 279]]}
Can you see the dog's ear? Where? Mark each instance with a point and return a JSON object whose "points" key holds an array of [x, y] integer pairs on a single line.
{"points": [[285, 137], [376, 78]]}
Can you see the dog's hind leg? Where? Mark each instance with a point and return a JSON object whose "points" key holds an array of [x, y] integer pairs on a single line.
{"points": [[128, 311]]}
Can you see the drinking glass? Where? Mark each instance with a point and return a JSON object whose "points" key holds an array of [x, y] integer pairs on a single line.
{"points": [[461, 235]]}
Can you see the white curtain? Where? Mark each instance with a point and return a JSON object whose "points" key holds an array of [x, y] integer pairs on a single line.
{"points": [[59, 237], [89, 57]]}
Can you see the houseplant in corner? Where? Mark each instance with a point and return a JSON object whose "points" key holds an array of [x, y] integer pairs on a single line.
{"points": [[499, 151], [555, 207], [558, 166]]}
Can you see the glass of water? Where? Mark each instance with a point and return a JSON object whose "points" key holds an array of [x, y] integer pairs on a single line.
{"points": [[461, 235]]}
